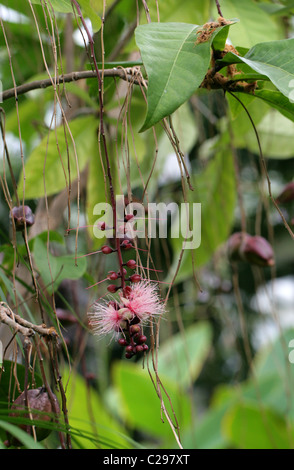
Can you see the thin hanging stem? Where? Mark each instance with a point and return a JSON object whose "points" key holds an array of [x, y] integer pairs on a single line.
{"points": [[218, 8], [263, 165], [102, 134]]}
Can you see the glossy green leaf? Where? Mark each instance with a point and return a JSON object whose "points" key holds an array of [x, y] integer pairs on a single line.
{"points": [[273, 59], [54, 269], [277, 100], [250, 426], [141, 406], [174, 63], [51, 157], [181, 357]]}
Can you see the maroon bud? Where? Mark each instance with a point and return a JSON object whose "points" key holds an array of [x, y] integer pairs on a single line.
{"points": [[122, 342], [142, 339], [134, 329], [129, 349], [253, 249], [139, 348], [135, 278], [128, 355], [257, 251], [101, 226], [22, 216], [131, 264], [112, 288], [112, 275], [126, 245], [287, 194], [127, 291], [106, 249], [145, 347], [65, 317]]}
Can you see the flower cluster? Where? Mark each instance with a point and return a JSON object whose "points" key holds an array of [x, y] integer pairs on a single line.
{"points": [[135, 301], [139, 304]]}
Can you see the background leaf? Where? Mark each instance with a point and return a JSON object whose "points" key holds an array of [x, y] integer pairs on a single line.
{"points": [[255, 24], [181, 357], [250, 427], [138, 396], [50, 157], [54, 269]]}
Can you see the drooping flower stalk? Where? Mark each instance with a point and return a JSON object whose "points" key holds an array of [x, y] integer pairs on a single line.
{"points": [[138, 300]]}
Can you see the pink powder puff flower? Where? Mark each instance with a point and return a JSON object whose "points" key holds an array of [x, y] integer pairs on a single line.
{"points": [[106, 319], [143, 301]]}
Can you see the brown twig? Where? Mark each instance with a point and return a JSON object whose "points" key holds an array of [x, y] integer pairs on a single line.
{"points": [[19, 324], [124, 74]]}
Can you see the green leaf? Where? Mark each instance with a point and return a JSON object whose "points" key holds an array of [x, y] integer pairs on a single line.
{"points": [[62, 6], [207, 432], [174, 63], [181, 358], [89, 9], [27, 440], [273, 129], [273, 59], [141, 406], [54, 269], [51, 157], [251, 427], [255, 24], [196, 11], [278, 101]]}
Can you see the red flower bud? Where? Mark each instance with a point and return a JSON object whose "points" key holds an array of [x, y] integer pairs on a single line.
{"points": [[126, 245], [106, 249], [142, 339], [131, 264], [112, 288], [112, 275], [135, 278]]}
